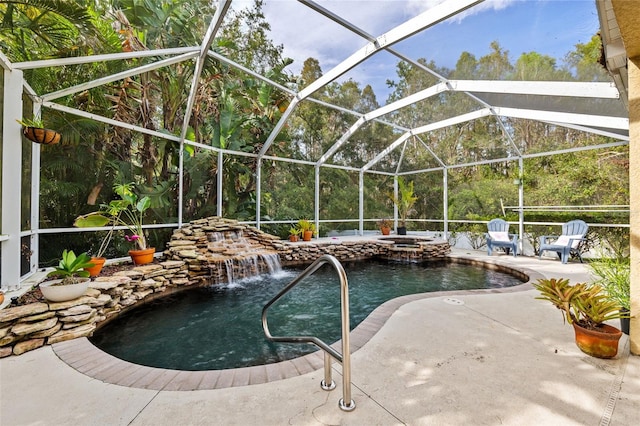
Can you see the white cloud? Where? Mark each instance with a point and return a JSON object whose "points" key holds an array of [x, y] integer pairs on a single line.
{"points": [[484, 6], [305, 33]]}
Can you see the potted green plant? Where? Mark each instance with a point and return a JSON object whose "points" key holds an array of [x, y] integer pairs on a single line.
{"points": [[129, 212], [294, 234], [307, 229], [385, 226], [404, 203], [586, 307], [74, 279], [613, 274], [34, 130]]}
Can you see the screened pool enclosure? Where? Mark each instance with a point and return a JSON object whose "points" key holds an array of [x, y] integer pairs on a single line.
{"points": [[206, 114]]}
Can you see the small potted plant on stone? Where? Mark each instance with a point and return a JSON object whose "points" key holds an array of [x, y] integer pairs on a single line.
{"points": [[74, 279], [404, 203], [586, 307], [294, 234], [307, 229], [385, 226]]}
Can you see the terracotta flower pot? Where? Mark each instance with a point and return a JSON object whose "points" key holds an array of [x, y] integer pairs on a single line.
{"points": [[601, 343], [385, 230], [40, 135], [293, 238], [98, 263], [142, 257], [307, 235]]}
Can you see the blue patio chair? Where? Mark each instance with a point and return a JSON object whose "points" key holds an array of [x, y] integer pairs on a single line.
{"points": [[499, 236], [573, 233]]}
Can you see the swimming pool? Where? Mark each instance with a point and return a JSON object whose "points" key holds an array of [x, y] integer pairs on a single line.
{"points": [[220, 327]]}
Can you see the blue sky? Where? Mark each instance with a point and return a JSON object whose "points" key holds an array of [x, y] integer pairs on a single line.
{"points": [[549, 27]]}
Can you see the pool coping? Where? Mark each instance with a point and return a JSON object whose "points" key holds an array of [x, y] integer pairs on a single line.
{"points": [[91, 361]]}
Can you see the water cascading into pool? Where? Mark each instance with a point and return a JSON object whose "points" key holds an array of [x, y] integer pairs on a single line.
{"points": [[234, 257]]}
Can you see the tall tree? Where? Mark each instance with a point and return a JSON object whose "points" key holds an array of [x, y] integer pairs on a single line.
{"points": [[45, 28], [495, 65], [533, 66], [585, 61]]}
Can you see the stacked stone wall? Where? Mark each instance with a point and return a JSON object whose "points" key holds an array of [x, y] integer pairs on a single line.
{"points": [[307, 252], [30, 326], [301, 253]]}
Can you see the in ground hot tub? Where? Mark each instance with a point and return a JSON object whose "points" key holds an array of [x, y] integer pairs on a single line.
{"points": [[414, 248], [407, 241]]}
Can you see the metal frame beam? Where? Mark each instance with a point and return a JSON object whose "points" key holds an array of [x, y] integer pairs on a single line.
{"points": [[212, 30], [78, 60], [586, 120], [541, 88], [119, 76], [11, 179]]}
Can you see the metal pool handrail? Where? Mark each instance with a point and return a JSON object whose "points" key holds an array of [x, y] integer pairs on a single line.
{"points": [[344, 358]]}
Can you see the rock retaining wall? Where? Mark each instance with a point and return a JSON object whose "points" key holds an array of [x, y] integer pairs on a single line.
{"points": [[306, 252], [204, 252], [27, 327]]}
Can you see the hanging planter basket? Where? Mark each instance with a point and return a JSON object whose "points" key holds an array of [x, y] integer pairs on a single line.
{"points": [[41, 135]]}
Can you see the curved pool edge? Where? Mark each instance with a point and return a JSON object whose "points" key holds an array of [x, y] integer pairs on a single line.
{"points": [[84, 357]]}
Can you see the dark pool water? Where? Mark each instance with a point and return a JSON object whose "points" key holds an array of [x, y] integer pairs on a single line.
{"points": [[220, 327]]}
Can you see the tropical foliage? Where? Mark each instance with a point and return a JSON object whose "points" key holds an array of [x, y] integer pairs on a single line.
{"points": [[128, 211], [614, 275], [581, 303], [71, 267], [404, 200]]}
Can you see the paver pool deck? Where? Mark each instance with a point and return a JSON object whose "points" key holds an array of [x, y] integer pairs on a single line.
{"points": [[496, 357]]}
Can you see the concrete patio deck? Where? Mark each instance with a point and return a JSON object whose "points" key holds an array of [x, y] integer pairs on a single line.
{"points": [[464, 358]]}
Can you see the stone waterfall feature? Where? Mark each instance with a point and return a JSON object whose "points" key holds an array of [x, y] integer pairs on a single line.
{"points": [[242, 257], [218, 250]]}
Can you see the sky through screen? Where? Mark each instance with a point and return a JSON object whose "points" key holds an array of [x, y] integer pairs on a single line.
{"points": [[548, 27]]}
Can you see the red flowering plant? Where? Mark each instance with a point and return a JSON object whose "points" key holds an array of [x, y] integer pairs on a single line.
{"points": [[128, 211]]}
